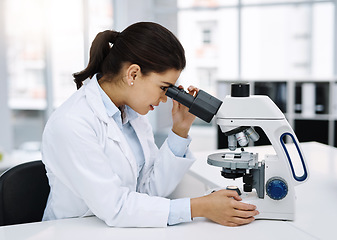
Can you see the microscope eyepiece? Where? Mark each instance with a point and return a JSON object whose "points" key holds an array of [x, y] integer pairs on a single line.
{"points": [[203, 105], [180, 95]]}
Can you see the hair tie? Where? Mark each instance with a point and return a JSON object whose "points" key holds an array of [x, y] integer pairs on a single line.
{"points": [[113, 37]]}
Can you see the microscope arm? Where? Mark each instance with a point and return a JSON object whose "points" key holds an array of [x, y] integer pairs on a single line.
{"points": [[261, 111]]}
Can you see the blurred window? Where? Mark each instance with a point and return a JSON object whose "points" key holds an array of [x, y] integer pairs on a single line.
{"points": [[25, 23], [273, 1], [210, 39], [205, 3], [287, 41], [47, 42], [257, 38]]}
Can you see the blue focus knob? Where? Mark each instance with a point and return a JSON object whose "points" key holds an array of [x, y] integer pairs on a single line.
{"points": [[277, 188]]}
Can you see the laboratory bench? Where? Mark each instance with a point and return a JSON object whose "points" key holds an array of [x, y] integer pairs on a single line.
{"points": [[315, 216]]}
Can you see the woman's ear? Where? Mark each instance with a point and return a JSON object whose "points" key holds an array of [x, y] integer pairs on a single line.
{"points": [[131, 73]]}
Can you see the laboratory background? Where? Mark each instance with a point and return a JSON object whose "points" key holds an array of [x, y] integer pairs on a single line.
{"points": [[286, 49]]}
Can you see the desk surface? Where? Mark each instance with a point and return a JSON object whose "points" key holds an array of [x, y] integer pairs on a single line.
{"points": [[316, 211], [92, 228]]}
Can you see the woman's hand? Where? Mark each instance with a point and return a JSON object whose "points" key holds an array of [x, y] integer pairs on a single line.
{"points": [[223, 207], [182, 119]]}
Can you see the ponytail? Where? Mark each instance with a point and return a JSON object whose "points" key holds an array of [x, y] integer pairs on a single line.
{"points": [[149, 45], [100, 48]]}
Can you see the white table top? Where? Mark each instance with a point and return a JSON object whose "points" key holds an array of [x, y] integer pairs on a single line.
{"points": [[91, 228], [316, 211]]}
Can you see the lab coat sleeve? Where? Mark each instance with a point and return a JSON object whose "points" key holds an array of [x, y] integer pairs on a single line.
{"points": [[177, 144], [167, 170], [71, 150]]}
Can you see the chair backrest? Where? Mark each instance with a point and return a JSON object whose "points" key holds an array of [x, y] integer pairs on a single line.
{"points": [[24, 191]]}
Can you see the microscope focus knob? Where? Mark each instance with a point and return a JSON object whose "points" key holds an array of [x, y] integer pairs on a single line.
{"points": [[276, 188]]}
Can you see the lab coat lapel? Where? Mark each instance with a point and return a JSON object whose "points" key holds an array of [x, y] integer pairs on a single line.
{"points": [[138, 126], [113, 132]]}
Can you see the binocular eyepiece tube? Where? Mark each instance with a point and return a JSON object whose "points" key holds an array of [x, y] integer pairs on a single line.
{"points": [[203, 105]]}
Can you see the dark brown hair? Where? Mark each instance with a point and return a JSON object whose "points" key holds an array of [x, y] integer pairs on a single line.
{"points": [[153, 47]]}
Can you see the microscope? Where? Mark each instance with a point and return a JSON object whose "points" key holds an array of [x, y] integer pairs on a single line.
{"points": [[268, 181]]}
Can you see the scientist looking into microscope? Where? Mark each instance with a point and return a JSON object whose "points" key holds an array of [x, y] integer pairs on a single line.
{"points": [[99, 149]]}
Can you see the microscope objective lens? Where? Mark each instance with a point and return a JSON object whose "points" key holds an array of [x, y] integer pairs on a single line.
{"points": [[232, 142], [242, 139], [252, 134]]}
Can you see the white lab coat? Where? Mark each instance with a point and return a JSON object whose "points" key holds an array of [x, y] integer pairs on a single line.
{"points": [[92, 170]]}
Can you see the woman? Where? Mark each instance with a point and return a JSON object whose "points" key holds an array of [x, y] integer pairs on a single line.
{"points": [[99, 150]]}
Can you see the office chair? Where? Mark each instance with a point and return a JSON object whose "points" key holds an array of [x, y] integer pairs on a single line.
{"points": [[24, 191]]}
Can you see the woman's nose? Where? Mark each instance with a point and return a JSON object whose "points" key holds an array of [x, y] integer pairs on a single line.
{"points": [[164, 98]]}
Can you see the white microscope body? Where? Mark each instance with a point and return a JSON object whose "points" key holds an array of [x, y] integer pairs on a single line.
{"points": [[269, 182]]}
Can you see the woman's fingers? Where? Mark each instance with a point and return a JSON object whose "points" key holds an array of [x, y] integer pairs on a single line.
{"points": [[192, 90], [237, 221]]}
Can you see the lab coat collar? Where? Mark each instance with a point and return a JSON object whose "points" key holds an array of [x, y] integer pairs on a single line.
{"points": [[112, 110], [94, 100], [110, 107], [128, 113]]}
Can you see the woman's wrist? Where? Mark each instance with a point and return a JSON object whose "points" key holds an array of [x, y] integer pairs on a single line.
{"points": [[197, 207], [182, 132]]}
